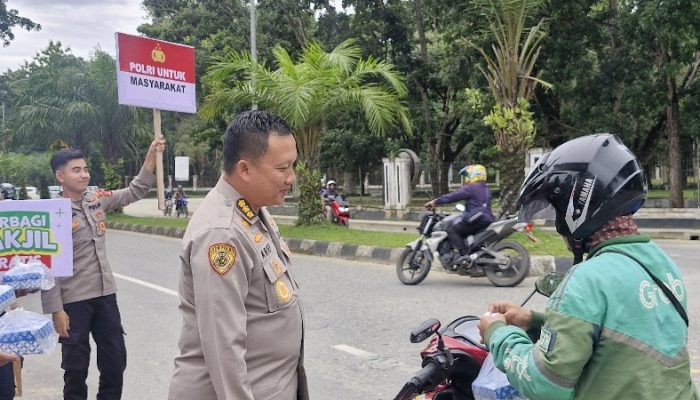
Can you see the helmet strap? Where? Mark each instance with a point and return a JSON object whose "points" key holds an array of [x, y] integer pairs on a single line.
{"points": [[578, 248]]}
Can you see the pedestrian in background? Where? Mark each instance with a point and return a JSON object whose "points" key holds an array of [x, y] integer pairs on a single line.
{"points": [[86, 303], [242, 332]]}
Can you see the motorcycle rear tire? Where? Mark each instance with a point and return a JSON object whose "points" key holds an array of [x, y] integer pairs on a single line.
{"points": [[516, 272], [408, 275]]}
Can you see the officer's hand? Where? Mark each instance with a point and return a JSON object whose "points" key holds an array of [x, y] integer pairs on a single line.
{"points": [[513, 313], [157, 145], [430, 205], [6, 358], [486, 320], [61, 323]]}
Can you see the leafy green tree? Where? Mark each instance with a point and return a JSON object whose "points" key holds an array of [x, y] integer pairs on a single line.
{"points": [[9, 18], [310, 92], [510, 72], [353, 152]]}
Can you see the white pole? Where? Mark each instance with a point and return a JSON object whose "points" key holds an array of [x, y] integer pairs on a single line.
{"points": [[253, 45]]}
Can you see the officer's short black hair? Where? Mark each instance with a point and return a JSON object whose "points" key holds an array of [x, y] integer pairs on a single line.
{"points": [[62, 157], [247, 136]]}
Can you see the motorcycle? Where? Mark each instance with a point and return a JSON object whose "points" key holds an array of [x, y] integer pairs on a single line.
{"points": [[340, 209], [181, 207], [168, 210], [453, 358], [505, 263]]}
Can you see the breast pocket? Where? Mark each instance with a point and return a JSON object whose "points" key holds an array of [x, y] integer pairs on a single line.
{"points": [[278, 286]]}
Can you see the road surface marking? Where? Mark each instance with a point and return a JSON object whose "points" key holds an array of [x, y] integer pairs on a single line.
{"points": [[354, 351], [148, 285]]}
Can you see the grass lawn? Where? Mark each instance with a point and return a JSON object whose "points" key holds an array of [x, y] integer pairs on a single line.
{"points": [[549, 243]]}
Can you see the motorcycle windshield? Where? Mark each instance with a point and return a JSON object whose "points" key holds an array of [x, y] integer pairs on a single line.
{"points": [[469, 329], [534, 209]]}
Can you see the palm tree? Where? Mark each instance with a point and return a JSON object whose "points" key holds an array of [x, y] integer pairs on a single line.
{"points": [[509, 72], [308, 94]]}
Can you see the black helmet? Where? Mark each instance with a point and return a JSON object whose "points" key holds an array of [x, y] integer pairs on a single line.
{"points": [[588, 181]]}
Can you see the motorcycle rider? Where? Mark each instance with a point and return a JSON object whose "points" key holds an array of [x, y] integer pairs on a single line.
{"points": [[180, 197], [328, 194], [611, 330], [477, 214]]}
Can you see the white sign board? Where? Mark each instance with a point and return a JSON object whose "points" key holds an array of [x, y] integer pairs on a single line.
{"points": [[37, 229], [182, 169]]}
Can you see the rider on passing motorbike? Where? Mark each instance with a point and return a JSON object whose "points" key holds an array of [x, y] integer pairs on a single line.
{"points": [[477, 214], [328, 194], [616, 327]]}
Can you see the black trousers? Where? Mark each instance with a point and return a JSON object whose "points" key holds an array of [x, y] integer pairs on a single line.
{"points": [[459, 230], [99, 317], [7, 382]]}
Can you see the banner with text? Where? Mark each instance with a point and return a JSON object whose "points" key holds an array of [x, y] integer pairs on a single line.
{"points": [[37, 229], [155, 74]]}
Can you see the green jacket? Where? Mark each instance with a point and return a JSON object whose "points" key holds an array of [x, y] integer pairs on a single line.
{"points": [[608, 332]]}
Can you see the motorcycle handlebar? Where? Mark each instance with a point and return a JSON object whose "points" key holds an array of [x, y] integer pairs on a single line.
{"points": [[430, 374]]}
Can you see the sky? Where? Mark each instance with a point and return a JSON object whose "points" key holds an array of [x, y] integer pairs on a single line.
{"points": [[82, 25]]}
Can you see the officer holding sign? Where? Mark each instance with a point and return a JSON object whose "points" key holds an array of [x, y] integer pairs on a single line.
{"points": [[242, 333], [86, 303]]}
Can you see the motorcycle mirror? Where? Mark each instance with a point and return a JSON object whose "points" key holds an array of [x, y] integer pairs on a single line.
{"points": [[425, 330], [548, 283], [460, 207]]}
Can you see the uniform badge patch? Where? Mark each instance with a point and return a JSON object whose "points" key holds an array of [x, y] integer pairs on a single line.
{"points": [[99, 215], [103, 193], [244, 207], [245, 223], [222, 256], [282, 291], [102, 226], [75, 225], [547, 339], [258, 237]]}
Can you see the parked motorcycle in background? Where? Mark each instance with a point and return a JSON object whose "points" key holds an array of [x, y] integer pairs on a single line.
{"points": [[453, 358], [504, 262]]}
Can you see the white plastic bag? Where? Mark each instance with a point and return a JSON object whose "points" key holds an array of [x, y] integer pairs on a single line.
{"points": [[30, 276], [492, 384], [24, 332]]}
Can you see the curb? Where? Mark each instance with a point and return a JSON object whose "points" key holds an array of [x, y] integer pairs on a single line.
{"points": [[538, 264]]}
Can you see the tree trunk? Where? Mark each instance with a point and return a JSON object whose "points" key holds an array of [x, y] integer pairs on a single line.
{"points": [[674, 146], [512, 165]]}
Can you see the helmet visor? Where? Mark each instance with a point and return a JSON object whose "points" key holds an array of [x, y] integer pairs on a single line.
{"points": [[536, 208]]}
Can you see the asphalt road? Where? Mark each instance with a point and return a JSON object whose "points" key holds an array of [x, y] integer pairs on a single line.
{"points": [[358, 317]]}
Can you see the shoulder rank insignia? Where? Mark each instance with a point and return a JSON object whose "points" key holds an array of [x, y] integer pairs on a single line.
{"points": [[222, 256], [245, 223], [245, 208]]}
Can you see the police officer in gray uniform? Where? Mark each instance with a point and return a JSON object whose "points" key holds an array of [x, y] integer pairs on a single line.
{"points": [[242, 333], [86, 303]]}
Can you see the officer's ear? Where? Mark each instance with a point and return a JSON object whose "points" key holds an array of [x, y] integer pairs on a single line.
{"points": [[242, 168], [59, 175]]}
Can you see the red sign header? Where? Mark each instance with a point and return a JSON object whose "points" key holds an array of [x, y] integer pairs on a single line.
{"points": [[156, 58]]}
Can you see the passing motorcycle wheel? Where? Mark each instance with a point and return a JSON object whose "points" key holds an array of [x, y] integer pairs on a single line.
{"points": [[412, 272], [517, 269]]}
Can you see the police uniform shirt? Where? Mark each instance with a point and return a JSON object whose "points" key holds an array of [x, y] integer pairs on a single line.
{"points": [[92, 274], [242, 333]]}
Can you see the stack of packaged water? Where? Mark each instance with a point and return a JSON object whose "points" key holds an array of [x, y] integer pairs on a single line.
{"points": [[24, 332], [31, 276], [7, 297]]}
